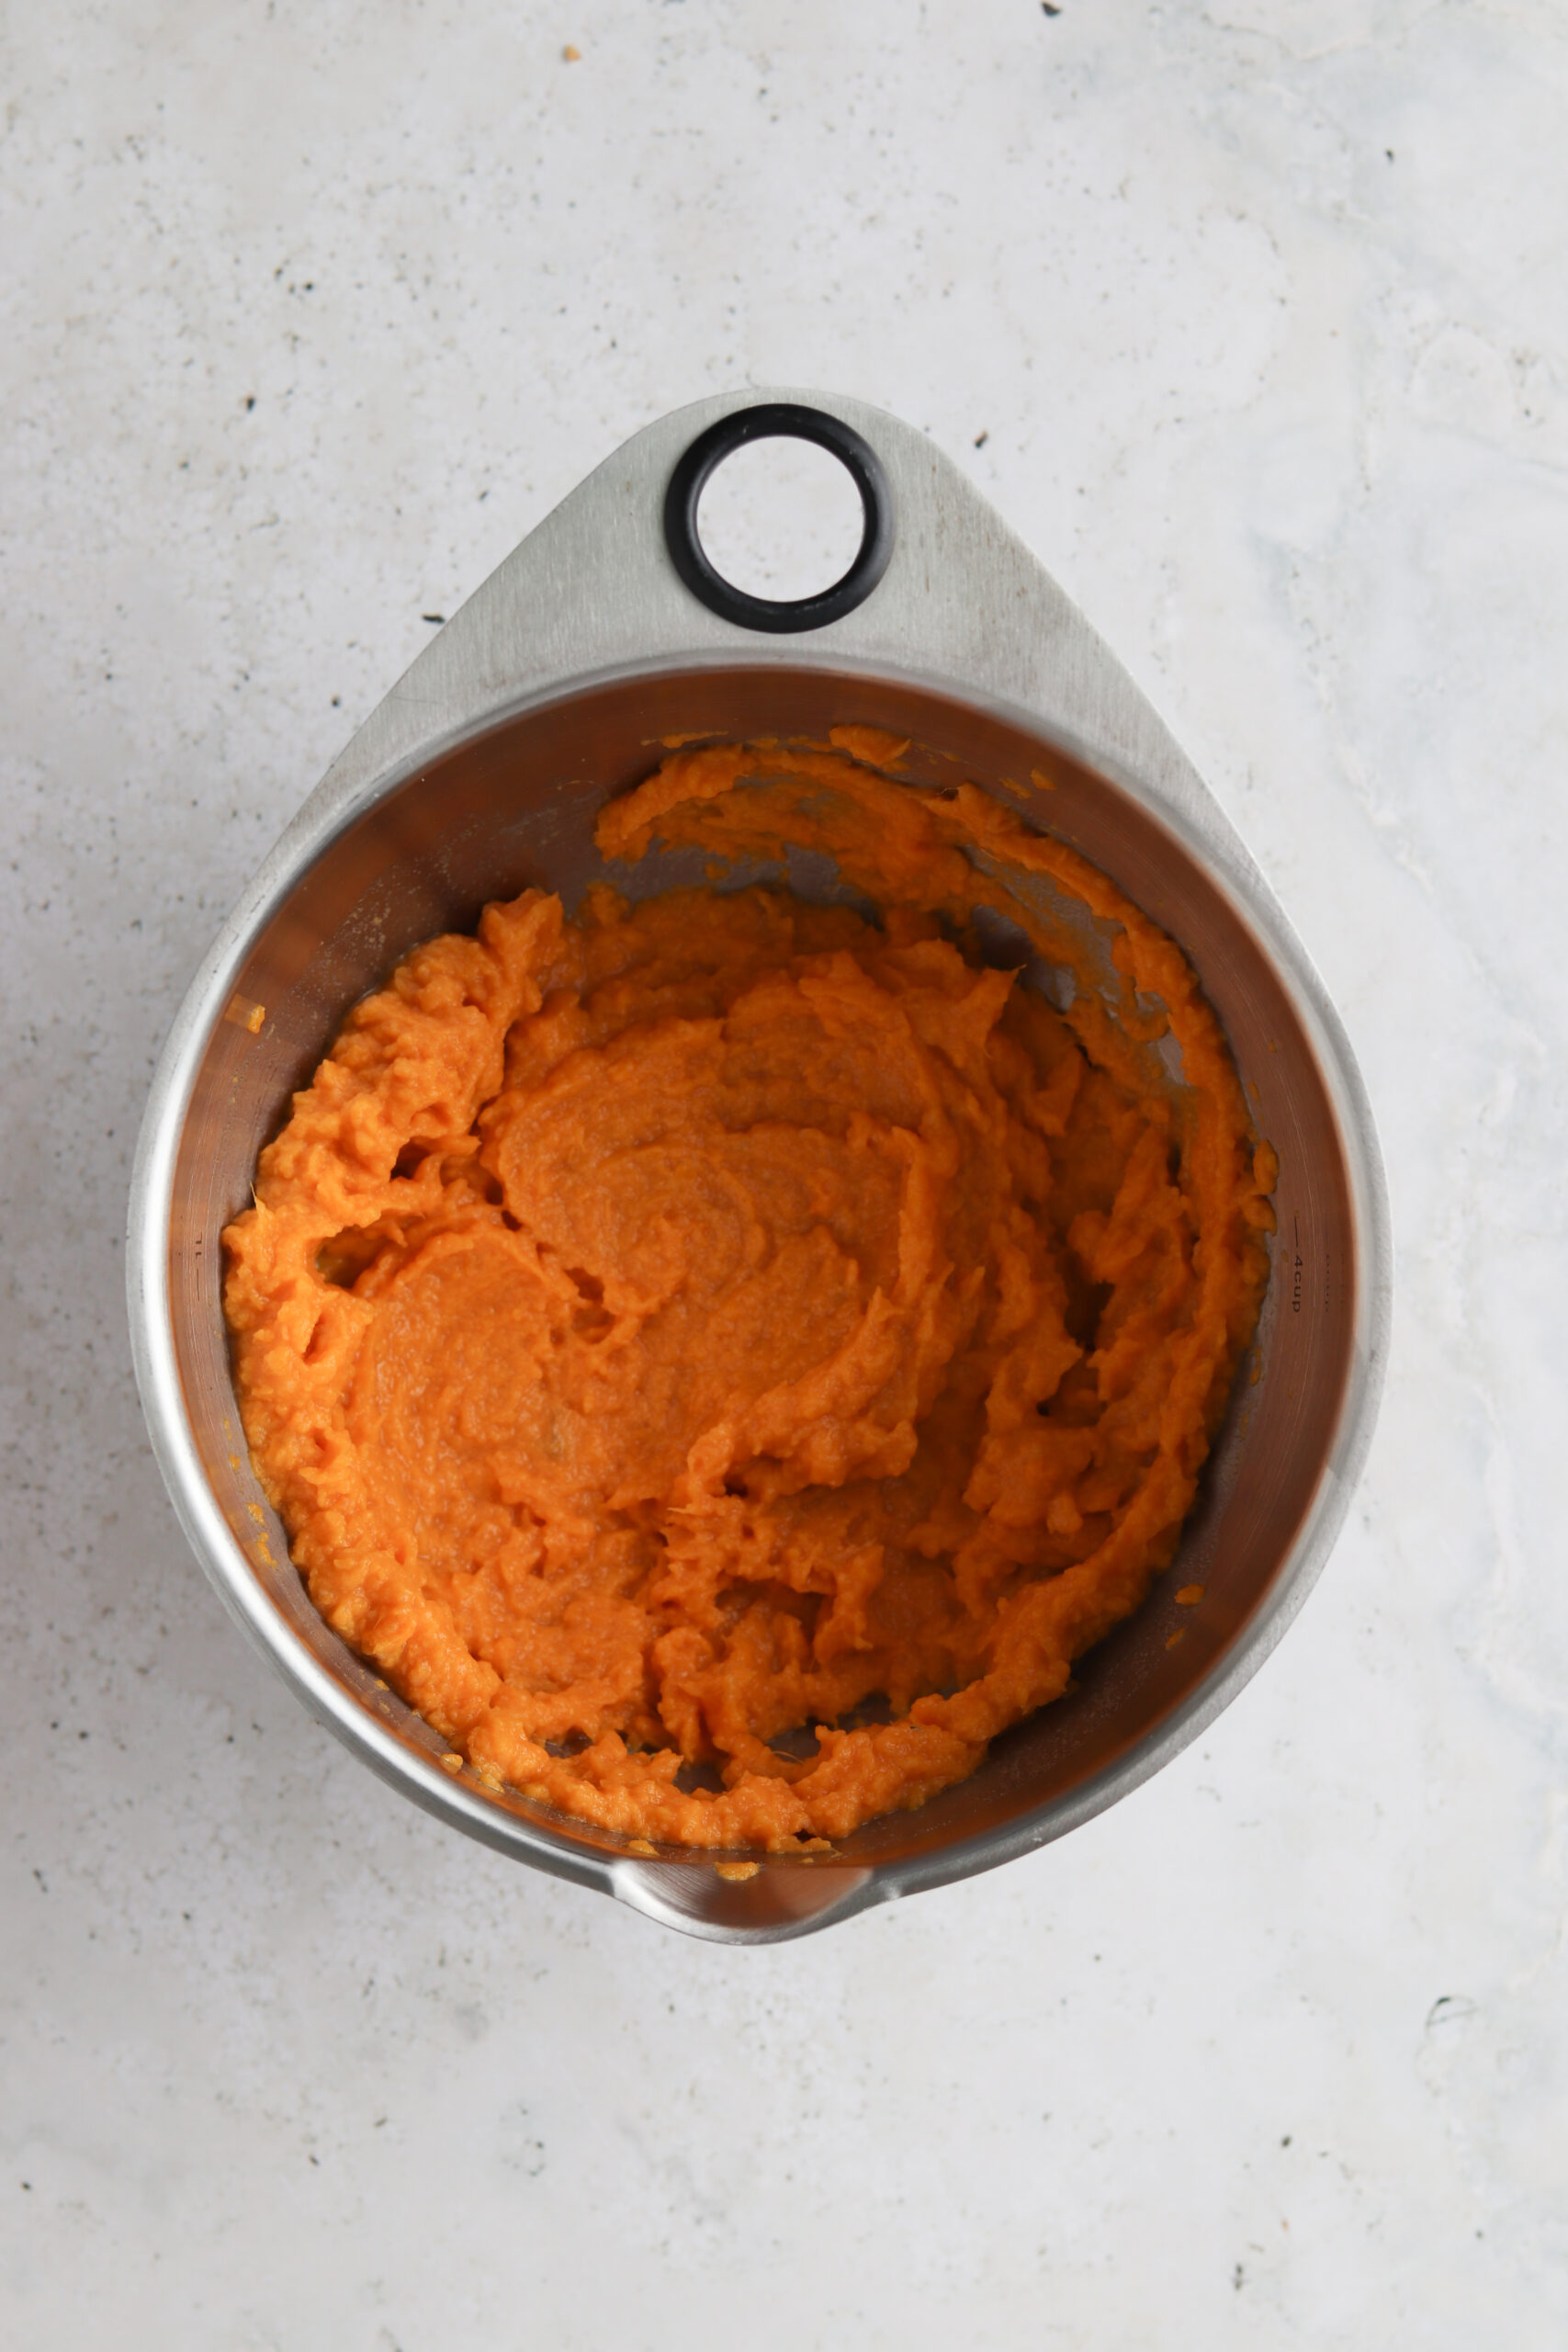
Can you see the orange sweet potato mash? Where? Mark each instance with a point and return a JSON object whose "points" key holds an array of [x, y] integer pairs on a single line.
{"points": [[723, 1359]]}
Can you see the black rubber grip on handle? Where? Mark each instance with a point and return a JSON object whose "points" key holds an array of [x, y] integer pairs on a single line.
{"points": [[774, 420]]}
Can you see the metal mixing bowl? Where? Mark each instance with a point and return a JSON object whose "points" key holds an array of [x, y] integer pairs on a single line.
{"points": [[482, 772]]}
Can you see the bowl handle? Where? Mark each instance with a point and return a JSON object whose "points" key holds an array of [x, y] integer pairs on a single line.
{"points": [[602, 586], [770, 421]]}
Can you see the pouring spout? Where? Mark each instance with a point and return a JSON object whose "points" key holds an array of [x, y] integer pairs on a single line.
{"points": [[774, 1905]]}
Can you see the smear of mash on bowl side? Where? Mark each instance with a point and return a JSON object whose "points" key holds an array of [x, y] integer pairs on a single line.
{"points": [[678, 1338]]}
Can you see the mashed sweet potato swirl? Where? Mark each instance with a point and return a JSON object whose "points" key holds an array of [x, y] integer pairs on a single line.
{"points": [[723, 1359]]}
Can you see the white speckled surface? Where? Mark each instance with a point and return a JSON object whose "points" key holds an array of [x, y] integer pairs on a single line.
{"points": [[1262, 312]]}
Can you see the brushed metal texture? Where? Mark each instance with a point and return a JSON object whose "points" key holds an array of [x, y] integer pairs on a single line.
{"points": [[483, 770]]}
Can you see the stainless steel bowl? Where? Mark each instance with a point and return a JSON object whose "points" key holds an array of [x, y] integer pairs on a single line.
{"points": [[481, 772]]}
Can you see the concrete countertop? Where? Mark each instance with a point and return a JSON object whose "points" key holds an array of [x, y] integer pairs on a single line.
{"points": [[1253, 322]]}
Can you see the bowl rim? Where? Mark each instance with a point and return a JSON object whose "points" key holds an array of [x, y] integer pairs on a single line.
{"points": [[655, 1885]]}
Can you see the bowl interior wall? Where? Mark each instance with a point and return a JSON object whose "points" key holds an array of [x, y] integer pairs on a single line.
{"points": [[515, 806]]}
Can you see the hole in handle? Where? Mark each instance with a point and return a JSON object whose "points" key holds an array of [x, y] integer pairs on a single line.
{"points": [[774, 420], [780, 519]]}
